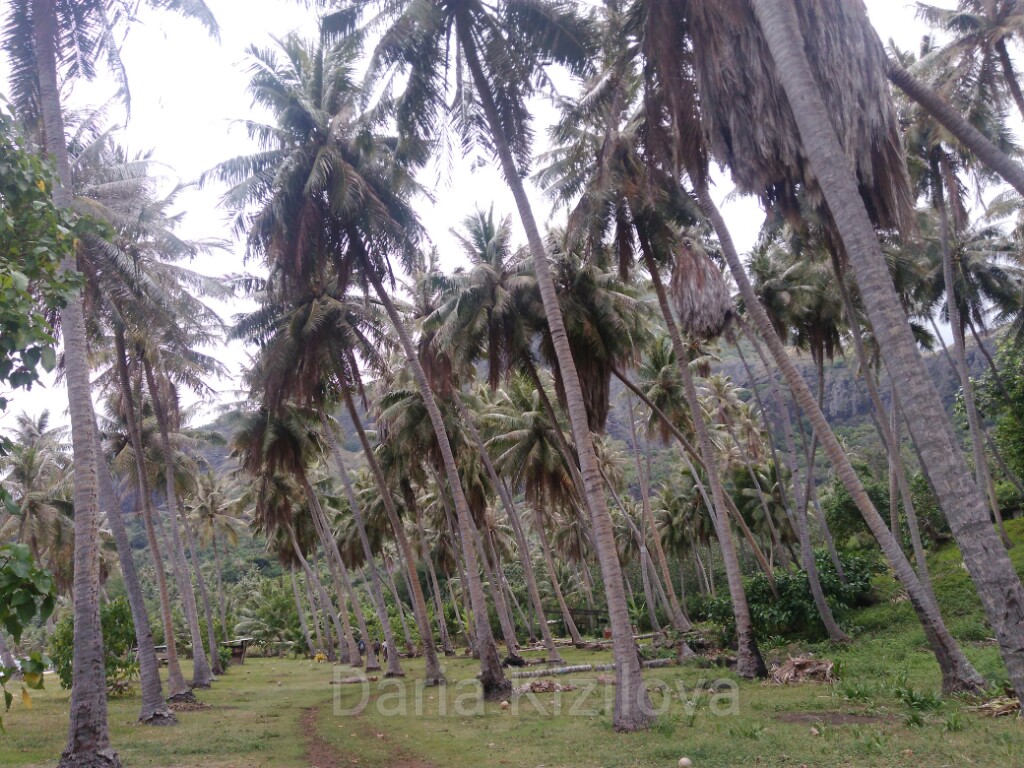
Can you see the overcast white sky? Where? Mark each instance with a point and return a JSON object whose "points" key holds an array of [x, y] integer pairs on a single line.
{"points": [[187, 91]]}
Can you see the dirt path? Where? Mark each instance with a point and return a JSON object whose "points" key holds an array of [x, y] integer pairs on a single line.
{"points": [[322, 754]]}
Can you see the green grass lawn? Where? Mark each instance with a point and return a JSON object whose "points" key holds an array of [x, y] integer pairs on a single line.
{"points": [[884, 711]]}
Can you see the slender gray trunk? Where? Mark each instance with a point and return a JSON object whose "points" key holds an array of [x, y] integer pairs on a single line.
{"points": [[204, 594], [154, 709], [220, 586], [301, 611], [202, 677], [314, 615], [88, 742]]}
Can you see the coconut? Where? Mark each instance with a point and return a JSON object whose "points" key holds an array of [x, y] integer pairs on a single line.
{"points": [[685, 762]]}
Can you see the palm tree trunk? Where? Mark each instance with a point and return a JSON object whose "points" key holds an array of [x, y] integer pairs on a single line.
{"points": [[981, 473], [177, 688], [1012, 84], [193, 551], [301, 611], [950, 119], [889, 431], [316, 621], [434, 674], [679, 621], [410, 646], [201, 674], [220, 586], [154, 709], [410, 502], [6, 658], [549, 562], [394, 667], [901, 359], [517, 528], [492, 677], [957, 672], [749, 662], [632, 704], [88, 741], [348, 650], [491, 569], [327, 607]]}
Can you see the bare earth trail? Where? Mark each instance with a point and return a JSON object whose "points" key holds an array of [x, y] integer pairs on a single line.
{"points": [[320, 753]]}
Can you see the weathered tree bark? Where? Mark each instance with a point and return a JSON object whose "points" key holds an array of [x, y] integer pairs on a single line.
{"points": [[1012, 84], [394, 667], [88, 741], [154, 709], [675, 611], [549, 562], [492, 677], [889, 431], [301, 611], [981, 473], [6, 658], [314, 615], [177, 688], [410, 502], [433, 673], [202, 677], [221, 604]]}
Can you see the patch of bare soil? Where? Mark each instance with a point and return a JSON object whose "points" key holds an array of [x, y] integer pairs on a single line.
{"points": [[187, 706], [322, 754], [829, 718]]}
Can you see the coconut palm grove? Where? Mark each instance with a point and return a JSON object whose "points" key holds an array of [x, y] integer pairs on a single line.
{"points": [[593, 480]]}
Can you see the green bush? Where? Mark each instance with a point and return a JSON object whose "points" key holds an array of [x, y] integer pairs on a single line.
{"points": [[122, 667], [793, 614]]}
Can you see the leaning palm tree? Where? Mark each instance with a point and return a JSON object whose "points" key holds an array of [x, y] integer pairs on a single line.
{"points": [[47, 39], [773, 32], [500, 48], [336, 199]]}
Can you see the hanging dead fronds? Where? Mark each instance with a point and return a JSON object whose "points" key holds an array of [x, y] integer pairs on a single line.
{"points": [[748, 119], [700, 292]]}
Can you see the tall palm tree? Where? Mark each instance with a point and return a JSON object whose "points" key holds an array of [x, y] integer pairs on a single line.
{"points": [[501, 47], [817, 126], [37, 38]]}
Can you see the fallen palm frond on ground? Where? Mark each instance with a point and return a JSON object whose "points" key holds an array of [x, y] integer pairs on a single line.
{"points": [[1002, 706], [803, 669]]}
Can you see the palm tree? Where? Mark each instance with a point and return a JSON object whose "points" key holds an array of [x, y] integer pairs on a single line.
{"points": [[36, 36], [501, 47], [978, 52], [959, 496], [352, 203]]}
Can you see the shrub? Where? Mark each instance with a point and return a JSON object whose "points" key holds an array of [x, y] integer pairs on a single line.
{"points": [[118, 646], [794, 614]]}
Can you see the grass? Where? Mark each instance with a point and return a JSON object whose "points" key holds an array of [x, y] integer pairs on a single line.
{"points": [[884, 711]]}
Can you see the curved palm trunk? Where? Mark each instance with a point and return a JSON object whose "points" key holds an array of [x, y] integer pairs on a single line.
{"points": [[492, 676], [301, 611], [222, 608], [549, 562], [348, 651], [314, 615], [675, 611], [517, 528], [749, 662], [325, 601], [1012, 84], [177, 688], [202, 677], [410, 502], [154, 709], [410, 646], [88, 741], [632, 703], [394, 667], [204, 594], [950, 119], [889, 431], [491, 569], [981, 473], [957, 672], [433, 673]]}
